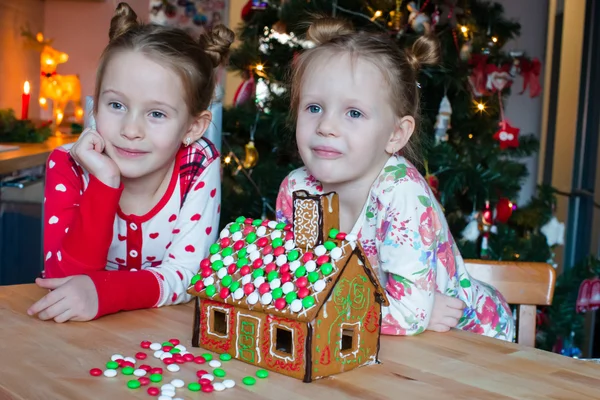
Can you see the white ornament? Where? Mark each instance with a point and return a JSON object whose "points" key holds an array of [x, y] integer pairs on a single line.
{"points": [[554, 231], [442, 123], [471, 231]]}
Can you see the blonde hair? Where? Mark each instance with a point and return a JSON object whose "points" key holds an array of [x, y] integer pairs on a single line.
{"points": [[193, 60], [399, 67]]}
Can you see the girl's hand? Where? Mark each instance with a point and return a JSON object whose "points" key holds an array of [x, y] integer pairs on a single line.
{"points": [[88, 151], [446, 313], [71, 298]]}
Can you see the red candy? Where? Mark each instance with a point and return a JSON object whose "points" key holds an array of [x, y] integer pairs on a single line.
{"points": [[302, 292], [231, 269], [225, 242], [120, 361], [198, 286], [156, 371], [179, 360], [206, 272], [127, 364], [200, 373], [248, 288], [286, 277], [289, 235], [284, 269], [188, 357], [205, 263], [307, 257], [249, 221], [257, 263], [145, 367], [268, 249], [247, 230], [95, 372], [340, 236], [199, 360], [224, 292], [302, 282], [280, 303], [238, 245], [174, 342], [322, 260], [264, 288], [288, 227], [278, 251], [245, 270], [204, 381], [270, 267], [153, 391], [167, 348], [262, 242], [265, 223], [145, 344], [141, 356], [207, 388], [169, 360], [144, 380]]}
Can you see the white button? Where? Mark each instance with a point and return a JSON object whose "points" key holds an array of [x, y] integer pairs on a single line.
{"points": [[133, 226], [133, 253]]}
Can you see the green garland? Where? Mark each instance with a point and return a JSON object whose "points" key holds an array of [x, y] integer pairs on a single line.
{"points": [[13, 130]]}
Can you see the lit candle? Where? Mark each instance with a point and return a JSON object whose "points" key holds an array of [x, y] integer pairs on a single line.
{"points": [[25, 101]]}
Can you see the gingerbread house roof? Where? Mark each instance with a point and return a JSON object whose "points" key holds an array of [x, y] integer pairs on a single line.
{"points": [[257, 265]]}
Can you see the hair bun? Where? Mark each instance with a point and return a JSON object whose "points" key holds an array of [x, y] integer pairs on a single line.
{"points": [[123, 20], [216, 43], [325, 29], [425, 51]]}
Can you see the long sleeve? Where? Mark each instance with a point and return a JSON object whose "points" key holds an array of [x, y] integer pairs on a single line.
{"points": [[78, 223], [195, 230]]}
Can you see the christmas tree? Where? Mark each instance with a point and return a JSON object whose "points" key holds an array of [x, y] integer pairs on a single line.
{"points": [[470, 153]]}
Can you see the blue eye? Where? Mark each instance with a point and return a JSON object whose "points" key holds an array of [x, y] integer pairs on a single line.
{"points": [[157, 114], [115, 106], [354, 114], [313, 109]]}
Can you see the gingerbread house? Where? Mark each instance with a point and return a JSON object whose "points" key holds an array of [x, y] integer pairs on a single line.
{"points": [[301, 300]]}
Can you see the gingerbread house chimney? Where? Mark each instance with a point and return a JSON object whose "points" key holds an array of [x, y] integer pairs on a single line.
{"points": [[314, 217]]}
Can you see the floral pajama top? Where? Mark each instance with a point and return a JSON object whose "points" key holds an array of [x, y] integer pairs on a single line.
{"points": [[407, 240]]}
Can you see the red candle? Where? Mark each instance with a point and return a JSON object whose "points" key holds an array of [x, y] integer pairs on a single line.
{"points": [[25, 101]]}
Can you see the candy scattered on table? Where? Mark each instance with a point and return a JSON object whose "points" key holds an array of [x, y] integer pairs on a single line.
{"points": [[110, 373], [215, 363], [262, 373], [249, 380], [95, 372], [133, 384]]}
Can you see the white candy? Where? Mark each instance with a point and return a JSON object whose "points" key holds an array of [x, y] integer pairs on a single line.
{"points": [[289, 245], [140, 372], [266, 299], [351, 237], [131, 360], [209, 281], [155, 346], [237, 236], [275, 235], [158, 353], [219, 387], [167, 386], [259, 281], [215, 363], [255, 255], [275, 283], [177, 398], [281, 259], [261, 231], [272, 224], [178, 383], [252, 299], [173, 367], [319, 285], [110, 373], [228, 261], [166, 355], [287, 287], [336, 253], [294, 265], [165, 397], [215, 257], [268, 259], [207, 376], [116, 357], [320, 250], [246, 279], [310, 266], [228, 383], [296, 305], [222, 272], [238, 294], [224, 233], [251, 248], [169, 394]]}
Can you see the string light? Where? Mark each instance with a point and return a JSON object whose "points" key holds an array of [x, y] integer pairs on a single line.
{"points": [[227, 159], [494, 39], [470, 136], [480, 107], [376, 15], [259, 67], [464, 29]]}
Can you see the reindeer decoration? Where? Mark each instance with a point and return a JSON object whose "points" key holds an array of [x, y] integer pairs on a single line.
{"points": [[61, 89]]}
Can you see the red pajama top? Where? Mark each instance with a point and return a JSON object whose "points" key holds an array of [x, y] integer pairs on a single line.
{"points": [[135, 261]]}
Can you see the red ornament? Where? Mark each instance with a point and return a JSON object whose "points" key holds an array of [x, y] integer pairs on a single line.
{"points": [[246, 91], [504, 209], [507, 135]]}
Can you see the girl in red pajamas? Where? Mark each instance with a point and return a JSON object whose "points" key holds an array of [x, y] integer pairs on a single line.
{"points": [[131, 208]]}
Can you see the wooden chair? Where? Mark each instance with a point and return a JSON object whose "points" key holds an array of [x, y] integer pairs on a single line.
{"points": [[524, 284]]}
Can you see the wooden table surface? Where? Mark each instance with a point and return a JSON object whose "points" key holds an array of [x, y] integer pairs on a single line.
{"points": [[31, 154], [46, 360]]}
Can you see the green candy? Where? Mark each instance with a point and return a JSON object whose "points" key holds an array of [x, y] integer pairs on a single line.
{"points": [[300, 272], [308, 302], [251, 238], [196, 278], [277, 293], [217, 265], [326, 268], [242, 262], [249, 380], [134, 384], [214, 248], [258, 272], [225, 357], [242, 253], [234, 286], [262, 373], [174, 350], [234, 228], [329, 245], [167, 344], [211, 290], [333, 233], [112, 365], [127, 370], [156, 378], [240, 220], [291, 296], [272, 275], [257, 222], [313, 276], [226, 281], [227, 251], [280, 226], [207, 356], [293, 255], [218, 372], [277, 242], [194, 386]]}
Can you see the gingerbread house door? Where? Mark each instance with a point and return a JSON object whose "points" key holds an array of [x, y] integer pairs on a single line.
{"points": [[248, 338]]}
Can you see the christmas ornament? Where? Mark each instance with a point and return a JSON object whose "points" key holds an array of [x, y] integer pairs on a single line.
{"points": [[486, 227], [432, 181], [471, 231], [515, 68], [507, 135], [588, 298], [530, 71], [554, 232], [418, 20], [504, 209], [478, 77], [448, 13], [251, 158], [246, 91], [466, 50], [498, 78], [442, 122]]}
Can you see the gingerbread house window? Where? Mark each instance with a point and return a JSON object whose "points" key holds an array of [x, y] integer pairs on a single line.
{"points": [[348, 339], [283, 341], [219, 326]]}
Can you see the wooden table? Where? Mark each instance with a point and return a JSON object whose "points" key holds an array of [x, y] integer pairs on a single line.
{"points": [[46, 360], [31, 154]]}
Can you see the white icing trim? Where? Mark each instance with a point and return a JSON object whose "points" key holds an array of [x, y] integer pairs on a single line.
{"points": [[356, 329], [275, 353], [209, 310], [256, 338]]}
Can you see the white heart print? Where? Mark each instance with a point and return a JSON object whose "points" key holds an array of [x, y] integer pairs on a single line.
{"points": [[53, 220], [61, 188], [51, 164]]}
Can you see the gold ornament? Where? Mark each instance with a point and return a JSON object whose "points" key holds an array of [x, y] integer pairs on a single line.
{"points": [[251, 158]]}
